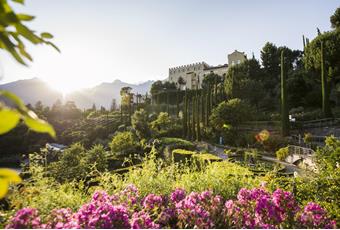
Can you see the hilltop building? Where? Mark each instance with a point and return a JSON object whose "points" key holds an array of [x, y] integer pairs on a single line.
{"points": [[193, 74]]}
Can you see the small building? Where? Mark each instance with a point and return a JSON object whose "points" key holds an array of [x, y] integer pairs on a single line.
{"points": [[55, 147]]}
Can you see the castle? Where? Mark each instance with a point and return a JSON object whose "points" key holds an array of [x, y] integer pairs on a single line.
{"points": [[193, 74]]}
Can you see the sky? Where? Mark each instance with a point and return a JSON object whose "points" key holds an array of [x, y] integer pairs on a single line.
{"points": [[139, 40]]}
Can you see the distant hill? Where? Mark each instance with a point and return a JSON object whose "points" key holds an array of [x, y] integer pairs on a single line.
{"points": [[102, 94], [33, 90]]}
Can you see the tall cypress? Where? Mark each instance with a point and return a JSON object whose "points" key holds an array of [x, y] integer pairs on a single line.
{"points": [[193, 108], [198, 132], [206, 107], [284, 106], [304, 42], [167, 102], [188, 117], [185, 114], [177, 103], [215, 89], [326, 110]]}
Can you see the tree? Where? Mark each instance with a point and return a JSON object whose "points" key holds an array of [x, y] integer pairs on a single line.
{"points": [[324, 85], [231, 113], [124, 143], [139, 122], [244, 81], [335, 19], [284, 106], [163, 125], [181, 82], [126, 101], [113, 106]]}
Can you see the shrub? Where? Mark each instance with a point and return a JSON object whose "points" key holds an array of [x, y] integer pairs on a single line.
{"points": [[165, 125], [282, 153], [124, 143], [76, 162], [207, 157], [177, 143], [256, 208], [139, 122], [182, 155]]}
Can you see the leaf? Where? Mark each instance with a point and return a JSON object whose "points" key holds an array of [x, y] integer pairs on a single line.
{"points": [[8, 120], [25, 17], [10, 175], [54, 46], [39, 125], [3, 187], [15, 99], [19, 1], [28, 34], [46, 35]]}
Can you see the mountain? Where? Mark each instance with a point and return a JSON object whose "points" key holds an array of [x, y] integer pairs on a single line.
{"points": [[33, 90]]}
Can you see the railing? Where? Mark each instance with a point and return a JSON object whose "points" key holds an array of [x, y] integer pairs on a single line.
{"points": [[319, 123], [293, 149]]}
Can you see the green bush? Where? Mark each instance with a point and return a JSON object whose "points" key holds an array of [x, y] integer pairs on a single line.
{"points": [[178, 143], [282, 153], [207, 157], [124, 143], [182, 155], [45, 193], [76, 163]]}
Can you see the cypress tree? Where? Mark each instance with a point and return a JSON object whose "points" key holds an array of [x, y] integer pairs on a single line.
{"points": [[193, 108], [198, 132], [177, 103], [206, 107], [185, 114], [188, 117], [284, 106], [215, 89], [202, 105], [167, 102], [326, 110], [304, 42]]}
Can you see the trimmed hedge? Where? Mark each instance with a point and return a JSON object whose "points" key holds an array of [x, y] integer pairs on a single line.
{"points": [[207, 157], [177, 143], [182, 155]]}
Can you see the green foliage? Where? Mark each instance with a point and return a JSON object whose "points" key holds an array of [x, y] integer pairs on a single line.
{"points": [[182, 155], [335, 19], [329, 156], [10, 117], [124, 143], [284, 102], [139, 122], [14, 33], [331, 48], [76, 162], [177, 143], [282, 153], [232, 112], [206, 157], [165, 125], [46, 194]]}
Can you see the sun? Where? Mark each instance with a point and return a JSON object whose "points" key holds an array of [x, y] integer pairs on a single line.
{"points": [[64, 87]]}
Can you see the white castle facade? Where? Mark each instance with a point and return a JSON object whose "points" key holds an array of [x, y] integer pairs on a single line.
{"points": [[193, 74]]}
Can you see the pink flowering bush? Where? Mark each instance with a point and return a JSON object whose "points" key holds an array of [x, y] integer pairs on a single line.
{"points": [[255, 208]]}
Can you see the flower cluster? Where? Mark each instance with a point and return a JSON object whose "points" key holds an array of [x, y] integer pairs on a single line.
{"points": [[255, 208], [313, 216]]}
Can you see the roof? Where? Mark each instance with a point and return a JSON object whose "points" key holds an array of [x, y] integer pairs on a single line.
{"points": [[216, 67]]}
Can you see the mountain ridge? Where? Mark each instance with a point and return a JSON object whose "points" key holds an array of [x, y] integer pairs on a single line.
{"points": [[35, 89]]}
